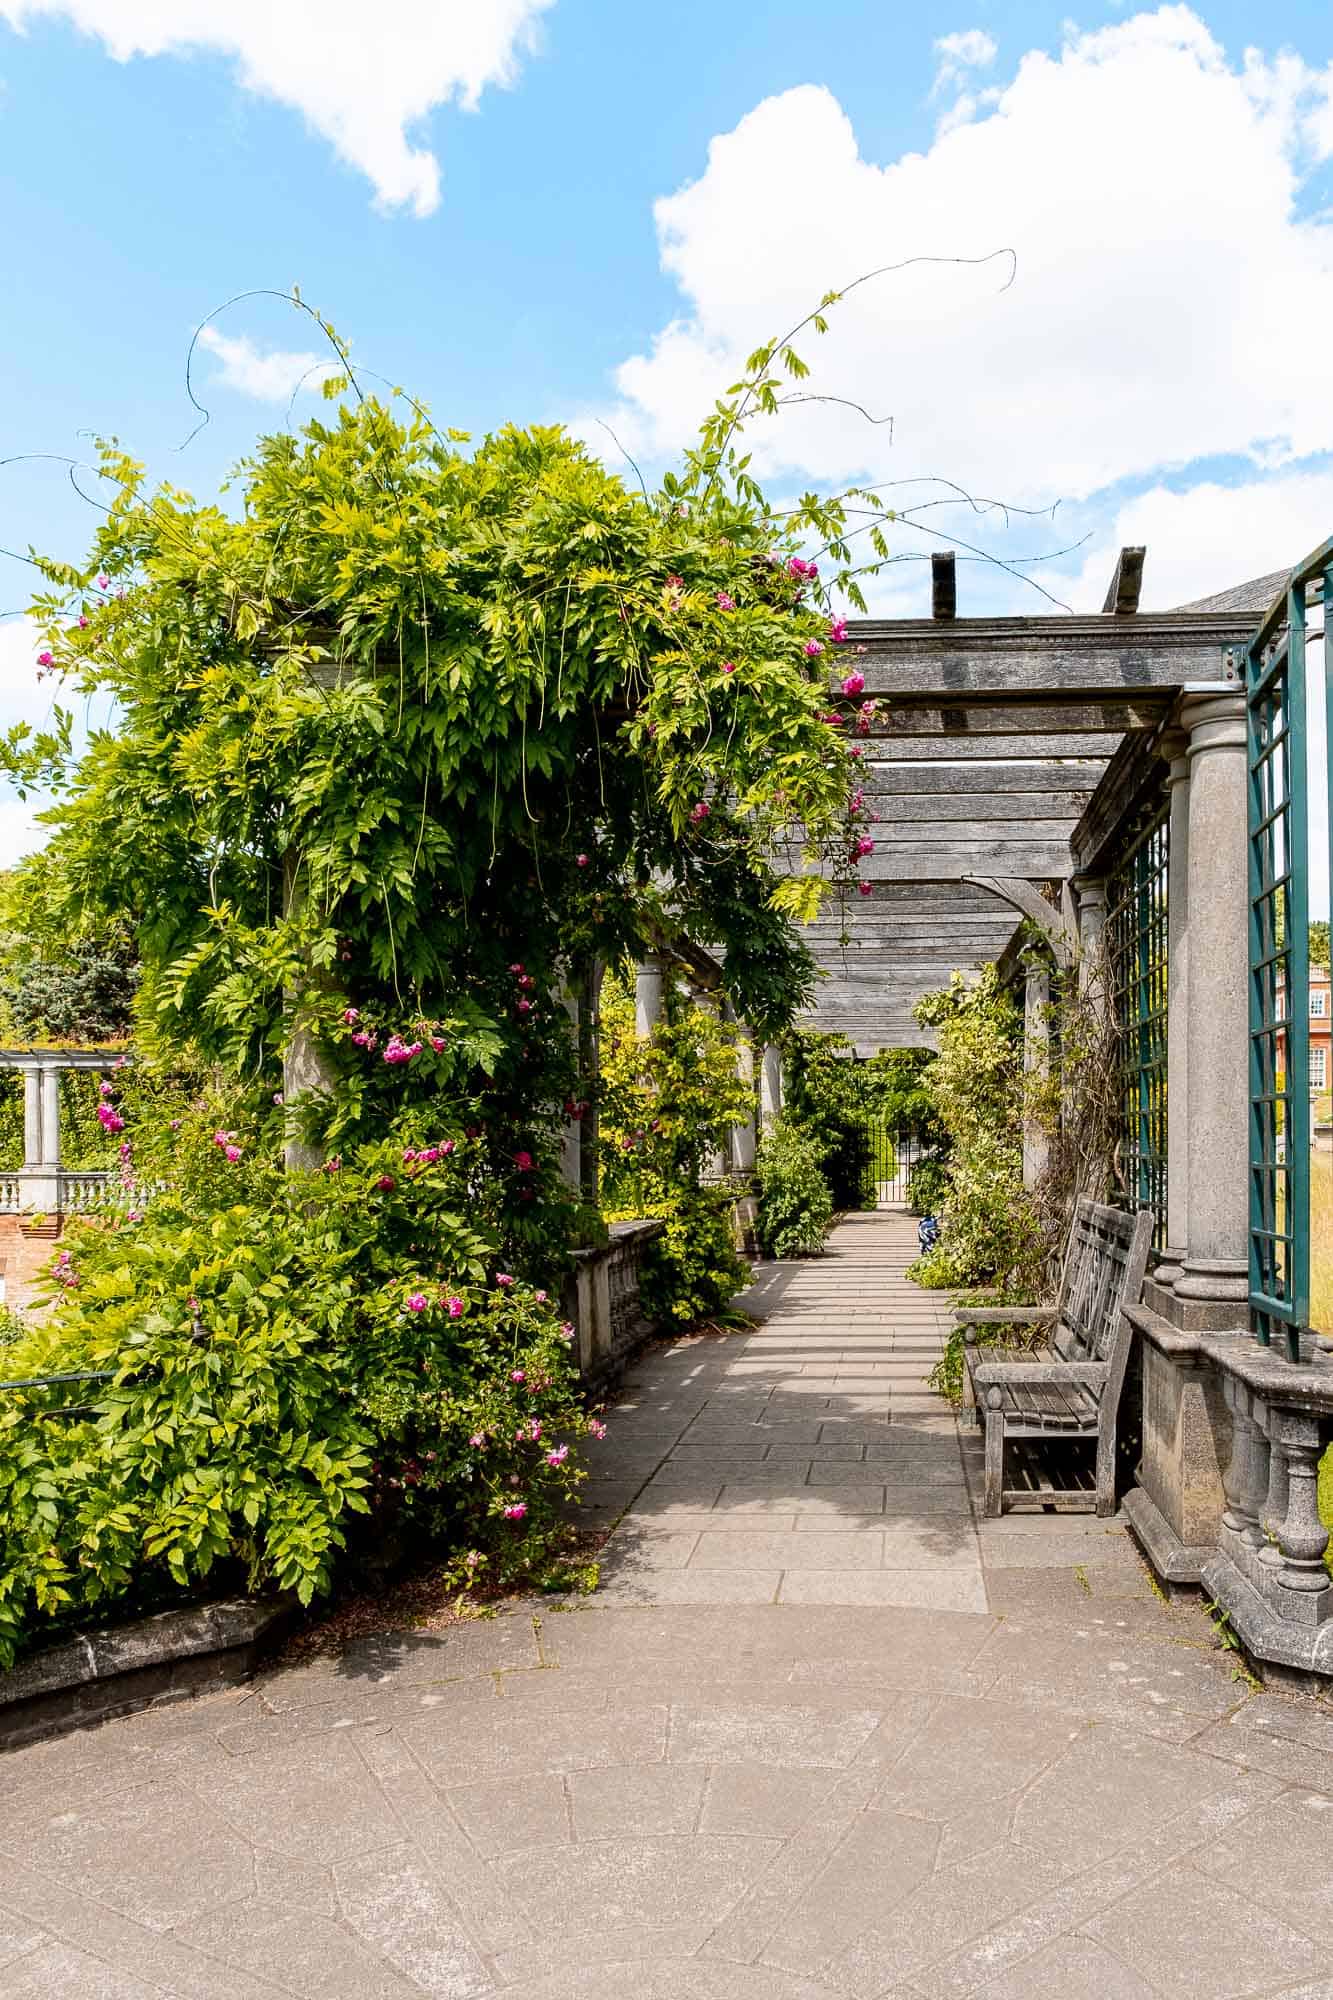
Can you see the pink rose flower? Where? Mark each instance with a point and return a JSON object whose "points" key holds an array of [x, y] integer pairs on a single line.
{"points": [[864, 888], [853, 683], [812, 649], [503, 1278], [351, 1014], [580, 860], [558, 1456], [728, 666], [700, 812], [46, 659], [386, 1183], [515, 1511], [523, 1161], [725, 602], [417, 1302], [231, 1153], [518, 1375], [837, 631], [454, 1307]]}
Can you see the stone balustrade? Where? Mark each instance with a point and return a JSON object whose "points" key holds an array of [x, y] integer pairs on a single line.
{"points": [[1226, 1493], [602, 1299]]}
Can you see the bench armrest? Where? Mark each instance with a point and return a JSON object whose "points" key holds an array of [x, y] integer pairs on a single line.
{"points": [[1038, 1374]]}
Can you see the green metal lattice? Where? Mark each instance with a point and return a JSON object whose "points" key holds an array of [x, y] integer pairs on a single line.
{"points": [[1136, 953], [1279, 812]]}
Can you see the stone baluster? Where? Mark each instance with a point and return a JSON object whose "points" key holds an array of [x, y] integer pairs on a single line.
{"points": [[1273, 1513], [1303, 1537], [1240, 1483]]}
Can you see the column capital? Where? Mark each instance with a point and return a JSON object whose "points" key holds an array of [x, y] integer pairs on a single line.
{"points": [[1173, 748], [1213, 722]]}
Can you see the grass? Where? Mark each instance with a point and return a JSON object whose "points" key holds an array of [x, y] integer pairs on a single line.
{"points": [[1321, 1242]]}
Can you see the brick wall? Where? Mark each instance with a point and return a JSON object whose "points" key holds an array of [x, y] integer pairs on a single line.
{"points": [[25, 1250]]}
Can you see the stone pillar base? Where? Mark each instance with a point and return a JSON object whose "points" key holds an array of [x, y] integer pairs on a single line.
{"points": [[1177, 1565], [1280, 1650], [1176, 1506]]}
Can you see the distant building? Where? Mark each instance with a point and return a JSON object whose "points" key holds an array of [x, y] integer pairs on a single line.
{"points": [[1321, 1032]]}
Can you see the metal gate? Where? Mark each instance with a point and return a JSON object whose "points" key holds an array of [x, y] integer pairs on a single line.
{"points": [[892, 1157]]}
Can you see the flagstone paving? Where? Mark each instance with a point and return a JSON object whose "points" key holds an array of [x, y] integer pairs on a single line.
{"points": [[820, 1736]]}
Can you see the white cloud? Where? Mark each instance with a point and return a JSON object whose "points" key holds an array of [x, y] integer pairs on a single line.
{"points": [[1171, 301], [363, 75], [1203, 538], [272, 377], [970, 48]]}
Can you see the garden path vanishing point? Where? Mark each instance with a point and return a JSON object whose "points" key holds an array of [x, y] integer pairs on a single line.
{"points": [[821, 1734]]}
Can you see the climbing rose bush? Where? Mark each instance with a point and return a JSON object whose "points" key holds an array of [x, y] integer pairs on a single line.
{"points": [[300, 1365]]}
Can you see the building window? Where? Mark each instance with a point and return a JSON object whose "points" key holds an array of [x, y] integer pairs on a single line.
{"points": [[1319, 1069], [1319, 1006]]}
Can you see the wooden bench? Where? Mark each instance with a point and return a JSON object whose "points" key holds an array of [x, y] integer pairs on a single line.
{"points": [[1067, 1387]]}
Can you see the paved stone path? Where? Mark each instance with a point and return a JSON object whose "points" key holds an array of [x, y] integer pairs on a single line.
{"points": [[808, 1766]]}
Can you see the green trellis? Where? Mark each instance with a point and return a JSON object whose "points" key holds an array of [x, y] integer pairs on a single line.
{"points": [[1136, 959], [1279, 814]]}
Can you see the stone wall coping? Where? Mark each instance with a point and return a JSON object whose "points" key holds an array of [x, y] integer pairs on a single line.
{"points": [[637, 1230], [44, 1058], [150, 1642], [1297, 1384]]}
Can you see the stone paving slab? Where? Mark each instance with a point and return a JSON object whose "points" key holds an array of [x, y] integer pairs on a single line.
{"points": [[816, 1738]]}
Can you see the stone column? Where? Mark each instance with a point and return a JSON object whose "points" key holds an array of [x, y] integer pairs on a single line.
{"points": [[1091, 893], [743, 1136], [770, 1085], [648, 983], [1216, 1269], [571, 1141], [1174, 746], [589, 1031], [308, 1069], [32, 1117], [50, 1116], [1036, 1067]]}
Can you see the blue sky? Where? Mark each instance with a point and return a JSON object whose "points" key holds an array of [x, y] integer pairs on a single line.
{"points": [[638, 195]]}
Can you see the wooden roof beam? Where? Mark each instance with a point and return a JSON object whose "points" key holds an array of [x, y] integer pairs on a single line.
{"points": [[1122, 596]]}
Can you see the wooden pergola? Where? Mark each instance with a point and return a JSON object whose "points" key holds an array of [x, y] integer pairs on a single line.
{"points": [[993, 740]]}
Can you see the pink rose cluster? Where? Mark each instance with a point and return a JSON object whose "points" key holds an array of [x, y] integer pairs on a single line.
{"points": [[227, 1146], [108, 1117]]}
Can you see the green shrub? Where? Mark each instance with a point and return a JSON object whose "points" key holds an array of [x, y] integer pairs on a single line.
{"points": [[928, 1186], [666, 1106], [990, 1232], [825, 1094], [795, 1205], [693, 1269], [287, 1356]]}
